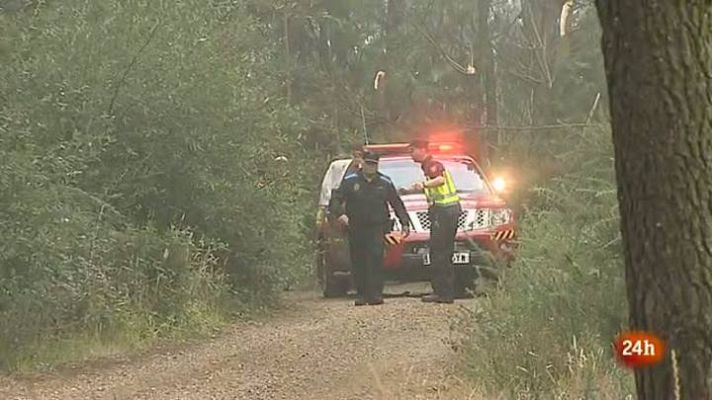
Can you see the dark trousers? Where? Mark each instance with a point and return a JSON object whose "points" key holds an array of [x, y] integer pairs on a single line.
{"points": [[443, 228], [366, 247]]}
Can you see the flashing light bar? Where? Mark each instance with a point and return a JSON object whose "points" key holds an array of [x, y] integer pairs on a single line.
{"points": [[393, 148], [404, 148], [444, 147]]}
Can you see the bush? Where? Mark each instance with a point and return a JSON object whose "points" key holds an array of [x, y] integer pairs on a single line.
{"points": [[139, 181], [546, 332], [68, 271]]}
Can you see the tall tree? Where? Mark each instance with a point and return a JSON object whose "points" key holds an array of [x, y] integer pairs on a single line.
{"points": [[394, 17], [658, 66], [487, 65]]}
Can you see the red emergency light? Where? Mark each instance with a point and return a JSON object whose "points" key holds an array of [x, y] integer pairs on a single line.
{"points": [[445, 147], [392, 148], [404, 148]]}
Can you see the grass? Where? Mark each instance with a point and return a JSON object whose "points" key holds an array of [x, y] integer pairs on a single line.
{"points": [[135, 334]]}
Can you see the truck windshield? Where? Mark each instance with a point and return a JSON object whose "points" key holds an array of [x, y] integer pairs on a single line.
{"points": [[405, 172]]}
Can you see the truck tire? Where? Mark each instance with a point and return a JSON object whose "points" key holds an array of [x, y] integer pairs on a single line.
{"points": [[465, 282], [476, 280], [331, 286], [334, 287]]}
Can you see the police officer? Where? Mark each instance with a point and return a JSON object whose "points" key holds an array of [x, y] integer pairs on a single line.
{"points": [[444, 211], [367, 194]]}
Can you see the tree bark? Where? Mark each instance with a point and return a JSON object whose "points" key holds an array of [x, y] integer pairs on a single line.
{"points": [[394, 18], [487, 63], [542, 34], [658, 60], [287, 58]]}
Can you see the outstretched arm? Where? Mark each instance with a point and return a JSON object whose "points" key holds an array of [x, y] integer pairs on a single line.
{"points": [[409, 190], [418, 187], [435, 182], [434, 178]]}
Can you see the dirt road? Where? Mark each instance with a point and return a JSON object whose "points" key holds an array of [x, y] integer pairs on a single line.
{"points": [[314, 349]]}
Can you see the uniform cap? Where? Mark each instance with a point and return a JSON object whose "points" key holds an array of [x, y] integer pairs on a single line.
{"points": [[371, 157]]}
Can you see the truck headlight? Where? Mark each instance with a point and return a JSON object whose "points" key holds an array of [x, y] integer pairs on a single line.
{"points": [[499, 184]]}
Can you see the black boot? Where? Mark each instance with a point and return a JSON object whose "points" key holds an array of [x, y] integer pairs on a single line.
{"points": [[446, 300], [378, 300], [430, 298], [434, 298]]}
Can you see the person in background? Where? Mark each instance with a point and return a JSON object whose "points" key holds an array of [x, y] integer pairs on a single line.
{"points": [[356, 159], [444, 211], [366, 195]]}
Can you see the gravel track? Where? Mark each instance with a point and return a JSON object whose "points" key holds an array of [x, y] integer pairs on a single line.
{"points": [[313, 349]]}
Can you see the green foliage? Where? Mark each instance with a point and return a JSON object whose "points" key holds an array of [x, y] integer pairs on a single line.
{"points": [[548, 330], [124, 127], [141, 192]]}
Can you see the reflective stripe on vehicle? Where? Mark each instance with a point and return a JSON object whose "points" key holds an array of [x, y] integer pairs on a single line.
{"points": [[503, 235]]}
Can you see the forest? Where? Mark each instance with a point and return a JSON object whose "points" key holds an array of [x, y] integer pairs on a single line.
{"points": [[160, 163]]}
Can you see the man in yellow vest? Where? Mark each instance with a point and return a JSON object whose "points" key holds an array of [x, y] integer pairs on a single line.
{"points": [[444, 212]]}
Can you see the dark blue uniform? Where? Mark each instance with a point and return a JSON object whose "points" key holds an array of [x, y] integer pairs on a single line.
{"points": [[367, 209]]}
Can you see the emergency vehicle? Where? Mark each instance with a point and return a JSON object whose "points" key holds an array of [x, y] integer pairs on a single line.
{"points": [[486, 227]]}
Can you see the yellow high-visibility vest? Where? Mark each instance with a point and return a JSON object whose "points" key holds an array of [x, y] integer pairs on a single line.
{"points": [[443, 195]]}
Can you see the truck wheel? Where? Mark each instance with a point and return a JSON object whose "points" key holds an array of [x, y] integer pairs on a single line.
{"points": [[331, 286], [334, 287], [465, 282], [477, 280]]}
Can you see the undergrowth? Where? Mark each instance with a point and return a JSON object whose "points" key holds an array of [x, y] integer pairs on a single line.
{"points": [[545, 333], [141, 192]]}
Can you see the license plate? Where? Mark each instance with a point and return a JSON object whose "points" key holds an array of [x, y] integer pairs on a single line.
{"points": [[457, 258]]}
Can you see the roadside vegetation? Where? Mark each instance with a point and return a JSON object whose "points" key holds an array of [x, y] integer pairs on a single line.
{"points": [[547, 330], [140, 195], [159, 165]]}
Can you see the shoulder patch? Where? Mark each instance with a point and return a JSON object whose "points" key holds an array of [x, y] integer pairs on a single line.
{"points": [[386, 178]]}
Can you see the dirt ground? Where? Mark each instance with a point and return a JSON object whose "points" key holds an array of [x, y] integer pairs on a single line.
{"points": [[313, 349]]}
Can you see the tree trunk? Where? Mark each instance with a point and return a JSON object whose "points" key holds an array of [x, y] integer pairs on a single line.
{"points": [[541, 28], [394, 18], [487, 63], [287, 58], [658, 59], [387, 98]]}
